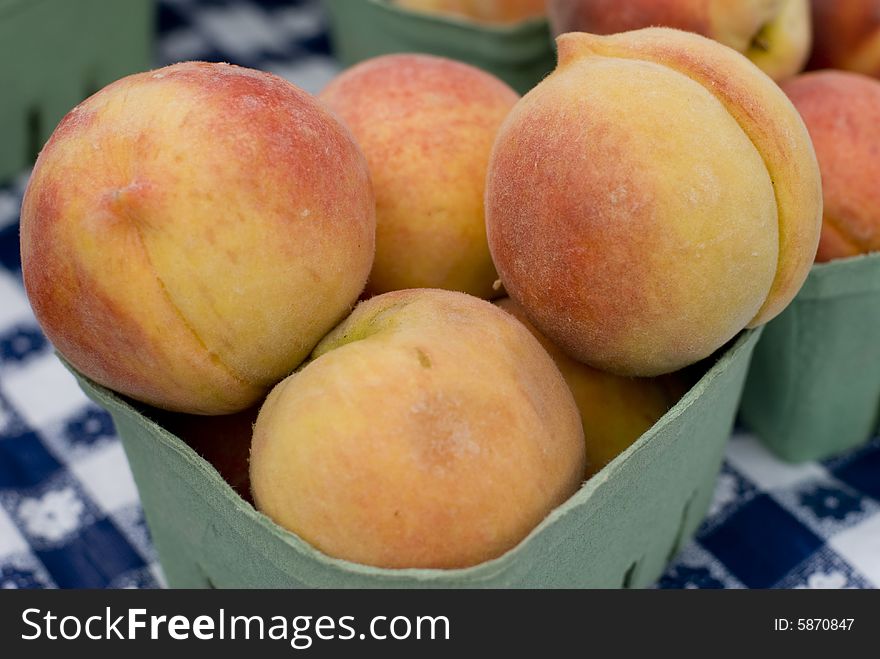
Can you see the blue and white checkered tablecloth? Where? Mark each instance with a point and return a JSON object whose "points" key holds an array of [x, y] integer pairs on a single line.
{"points": [[69, 510]]}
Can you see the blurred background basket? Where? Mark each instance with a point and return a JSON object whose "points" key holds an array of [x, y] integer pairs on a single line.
{"points": [[520, 54], [814, 386], [47, 65]]}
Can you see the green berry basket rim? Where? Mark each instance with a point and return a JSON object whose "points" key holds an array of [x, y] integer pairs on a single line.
{"points": [[854, 275], [463, 24], [8, 6], [113, 402]]}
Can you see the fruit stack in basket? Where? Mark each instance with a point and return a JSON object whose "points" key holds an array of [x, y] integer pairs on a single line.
{"points": [[446, 309]]}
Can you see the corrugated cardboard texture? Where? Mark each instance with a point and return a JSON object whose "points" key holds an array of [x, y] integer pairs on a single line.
{"points": [[53, 54], [619, 530], [814, 386], [521, 55]]}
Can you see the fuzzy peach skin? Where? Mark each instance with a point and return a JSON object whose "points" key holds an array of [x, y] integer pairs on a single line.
{"points": [[774, 34], [652, 197], [847, 36], [842, 113], [486, 11], [426, 125], [189, 234], [430, 429], [615, 411]]}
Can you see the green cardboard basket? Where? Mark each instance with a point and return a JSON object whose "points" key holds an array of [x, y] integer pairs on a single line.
{"points": [[619, 530], [55, 53], [520, 54], [814, 386]]}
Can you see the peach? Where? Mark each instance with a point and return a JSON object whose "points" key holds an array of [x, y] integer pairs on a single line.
{"points": [[652, 197], [842, 113], [426, 125], [486, 11], [189, 234], [774, 34], [430, 429], [224, 441], [615, 410], [847, 36]]}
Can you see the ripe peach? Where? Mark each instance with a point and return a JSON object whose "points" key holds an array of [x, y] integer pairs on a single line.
{"points": [[430, 429], [847, 36], [189, 234], [224, 441], [774, 34], [652, 197], [426, 125], [486, 11], [842, 113], [615, 410]]}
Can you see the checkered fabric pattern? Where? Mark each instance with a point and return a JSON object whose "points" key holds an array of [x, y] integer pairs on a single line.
{"points": [[69, 510], [285, 37], [773, 525]]}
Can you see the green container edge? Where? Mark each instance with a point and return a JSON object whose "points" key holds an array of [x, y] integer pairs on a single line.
{"points": [[207, 536], [46, 67], [520, 54], [813, 390]]}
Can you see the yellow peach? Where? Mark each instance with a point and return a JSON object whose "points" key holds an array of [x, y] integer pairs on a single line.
{"points": [[842, 113], [774, 34], [189, 234], [652, 197], [426, 125], [847, 36], [224, 441], [615, 410], [430, 429]]}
